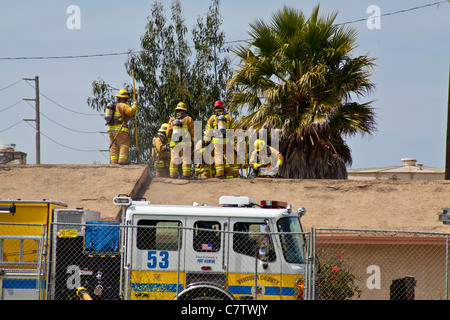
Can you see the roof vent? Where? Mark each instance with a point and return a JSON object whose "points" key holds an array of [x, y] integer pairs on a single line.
{"points": [[409, 161]]}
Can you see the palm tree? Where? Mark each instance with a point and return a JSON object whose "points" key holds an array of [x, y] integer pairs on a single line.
{"points": [[297, 74]]}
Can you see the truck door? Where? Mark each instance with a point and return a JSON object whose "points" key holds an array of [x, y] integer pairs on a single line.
{"points": [[206, 249], [158, 257], [254, 260]]}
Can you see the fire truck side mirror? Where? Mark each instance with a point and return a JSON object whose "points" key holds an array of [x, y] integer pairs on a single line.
{"points": [[122, 201]]}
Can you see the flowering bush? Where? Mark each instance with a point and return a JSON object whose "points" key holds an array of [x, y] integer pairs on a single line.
{"points": [[335, 280]]}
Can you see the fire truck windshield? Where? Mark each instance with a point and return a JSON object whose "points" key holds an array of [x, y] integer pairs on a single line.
{"points": [[291, 239]]}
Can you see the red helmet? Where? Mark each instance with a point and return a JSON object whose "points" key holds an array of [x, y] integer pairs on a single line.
{"points": [[218, 103]]}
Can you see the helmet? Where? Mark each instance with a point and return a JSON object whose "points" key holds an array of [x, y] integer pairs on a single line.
{"points": [[181, 106], [259, 144], [164, 127], [218, 104], [123, 94]]}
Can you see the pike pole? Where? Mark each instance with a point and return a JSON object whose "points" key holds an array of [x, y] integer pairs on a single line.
{"points": [[134, 101]]}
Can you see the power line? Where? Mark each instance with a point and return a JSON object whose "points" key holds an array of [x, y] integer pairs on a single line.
{"points": [[55, 122], [65, 108], [14, 104], [67, 57], [63, 145], [397, 12], [226, 42], [11, 85], [11, 126]]}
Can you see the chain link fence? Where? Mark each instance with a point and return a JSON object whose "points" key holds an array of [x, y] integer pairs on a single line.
{"points": [[23, 264], [162, 260], [380, 265]]}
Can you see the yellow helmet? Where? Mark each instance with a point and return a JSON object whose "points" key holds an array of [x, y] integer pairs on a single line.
{"points": [[259, 144], [164, 127], [181, 106], [123, 94]]}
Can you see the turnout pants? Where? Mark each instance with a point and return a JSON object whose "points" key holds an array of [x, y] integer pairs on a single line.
{"points": [[120, 148], [162, 168], [180, 155], [225, 167]]}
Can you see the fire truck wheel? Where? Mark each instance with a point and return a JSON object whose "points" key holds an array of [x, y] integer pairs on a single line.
{"points": [[205, 293]]}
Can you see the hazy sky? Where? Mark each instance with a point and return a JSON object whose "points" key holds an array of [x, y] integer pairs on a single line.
{"points": [[411, 77]]}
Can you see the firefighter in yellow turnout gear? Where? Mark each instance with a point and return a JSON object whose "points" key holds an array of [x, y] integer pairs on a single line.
{"points": [[117, 116], [216, 130], [203, 150], [261, 160], [161, 152], [181, 136]]}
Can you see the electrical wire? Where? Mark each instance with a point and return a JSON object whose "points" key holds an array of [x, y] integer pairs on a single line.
{"points": [[55, 122], [11, 85], [11, 126], [397, 12], [226, 42], [62, 145], [14, 104], [61, 106]]}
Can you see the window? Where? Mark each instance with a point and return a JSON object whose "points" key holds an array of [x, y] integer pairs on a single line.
{"points": [[204, 240], [247, 243], [158, 235], [292, 241]]}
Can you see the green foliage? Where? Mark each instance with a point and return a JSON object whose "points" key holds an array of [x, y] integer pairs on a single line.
{"points": [[335, 279], [168, 70]]}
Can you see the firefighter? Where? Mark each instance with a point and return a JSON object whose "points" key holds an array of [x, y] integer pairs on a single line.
{"points": [[161, 152], [216, 129], [203, 150], [121, 113], [261, 160], [181, 136]]}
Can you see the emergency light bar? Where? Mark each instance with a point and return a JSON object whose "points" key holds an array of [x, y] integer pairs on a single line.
{"points": [[273, 204], [236, 201]]}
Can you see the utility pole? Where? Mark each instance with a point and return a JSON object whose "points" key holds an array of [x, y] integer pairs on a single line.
{"points": [[37, 119], [447, 152]]}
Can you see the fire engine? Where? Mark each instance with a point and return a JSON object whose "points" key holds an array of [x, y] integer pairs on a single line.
{"points": [[239, 250]]}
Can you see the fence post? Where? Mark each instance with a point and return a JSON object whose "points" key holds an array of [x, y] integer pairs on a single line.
{"points": [[179, 260], [446, 268]]}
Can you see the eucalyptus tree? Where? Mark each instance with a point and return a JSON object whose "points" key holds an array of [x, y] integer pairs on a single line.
{"points": [[172, 65]]}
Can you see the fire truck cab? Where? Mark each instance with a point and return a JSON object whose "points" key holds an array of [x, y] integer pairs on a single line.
{"points": [[239, 250]]}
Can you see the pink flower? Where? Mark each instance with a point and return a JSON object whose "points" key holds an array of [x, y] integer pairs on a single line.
{"points": [[335, 268]]}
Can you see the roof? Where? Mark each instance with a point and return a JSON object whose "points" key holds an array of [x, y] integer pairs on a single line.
{"points": [[370, 204], [43, 201]]}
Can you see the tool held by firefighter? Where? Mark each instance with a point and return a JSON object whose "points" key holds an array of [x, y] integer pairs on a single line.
{"points": [[117, 116], [134, 99]]}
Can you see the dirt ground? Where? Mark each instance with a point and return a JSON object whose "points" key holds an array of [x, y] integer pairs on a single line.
{"points": [[368, 204]]}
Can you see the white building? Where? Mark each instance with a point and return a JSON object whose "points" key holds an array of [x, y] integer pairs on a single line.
{"points": [[408, 171]]}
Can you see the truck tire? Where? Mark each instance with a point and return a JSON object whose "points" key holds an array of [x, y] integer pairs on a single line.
{"points": [[205, 292]]}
